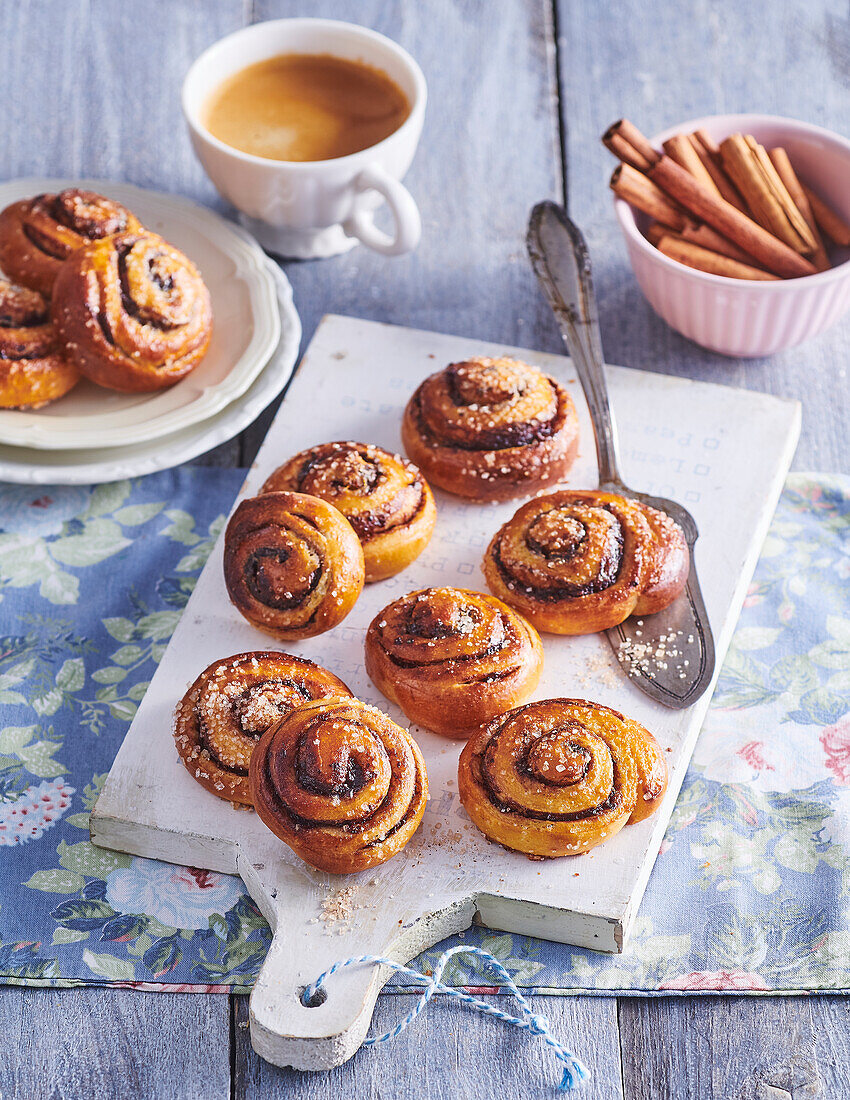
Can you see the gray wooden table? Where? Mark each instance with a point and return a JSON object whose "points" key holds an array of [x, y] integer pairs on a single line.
{"points": [[519, 92]]}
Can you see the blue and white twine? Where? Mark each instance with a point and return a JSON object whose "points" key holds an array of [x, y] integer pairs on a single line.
{"points": [[574, 1070]]}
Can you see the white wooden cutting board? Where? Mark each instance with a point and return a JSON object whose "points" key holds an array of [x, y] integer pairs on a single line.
{"points": [[723, 453]]}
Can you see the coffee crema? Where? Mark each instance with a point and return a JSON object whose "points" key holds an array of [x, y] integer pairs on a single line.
{"points": [[305, 107]]}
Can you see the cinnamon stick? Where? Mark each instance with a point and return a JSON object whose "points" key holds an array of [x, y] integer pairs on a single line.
{"points": [[655, 231], [785, 170], [638, 191], [702, 235], [772, 253], [677, 248], [682, 150], [766, 197], [707, 141], [828, 221], [625, 152], [789, 207], [708, 152], [628, 143]]}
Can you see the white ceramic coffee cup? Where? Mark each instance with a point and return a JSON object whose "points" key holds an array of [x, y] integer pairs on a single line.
{"points": [[309, 209]]}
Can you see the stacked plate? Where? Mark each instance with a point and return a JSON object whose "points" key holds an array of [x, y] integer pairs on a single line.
{"points": [[95, 435]]}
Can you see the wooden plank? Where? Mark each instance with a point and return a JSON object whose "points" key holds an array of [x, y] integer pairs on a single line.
{"points": [[94, 90], [73, 1043], [751, 1048], [629, 57], [479, 169], [83, 110], [831, 1025], [449, 1053]]}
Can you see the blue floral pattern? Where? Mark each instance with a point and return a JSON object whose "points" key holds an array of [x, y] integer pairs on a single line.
{"points": [[92, 583]]}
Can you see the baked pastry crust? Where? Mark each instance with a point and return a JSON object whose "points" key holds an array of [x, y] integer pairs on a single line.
{"points": [[579, 561], [669, 563], [385, 499], [452, 658], [220, 719], [133, 311], [491, 429], [340, 783], [293, 565], [37, 235], [33, 366], [558, 777]]}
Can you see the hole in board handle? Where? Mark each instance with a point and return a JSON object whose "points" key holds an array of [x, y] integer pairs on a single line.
{"points": [[318, 998]]}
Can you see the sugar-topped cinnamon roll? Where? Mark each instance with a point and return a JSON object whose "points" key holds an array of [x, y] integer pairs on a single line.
{"points": [[491, 429], [340, 783], [37, 235], [133, 311], [578, 561], [33, 367], [558, 777], [452, 659], [385, 499], [220, 719], [293, 565]]}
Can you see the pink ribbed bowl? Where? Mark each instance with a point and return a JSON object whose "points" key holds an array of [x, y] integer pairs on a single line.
{"points": [[733, 316]]}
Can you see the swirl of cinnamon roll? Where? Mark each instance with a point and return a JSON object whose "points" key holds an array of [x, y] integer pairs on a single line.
{"points": [[340, 783], [558, 777], [37, 235], [293, 565], [491, 429], [134, 312], [452, 659], [33, 366], [579, 561], [385, 499], [223, 715]]}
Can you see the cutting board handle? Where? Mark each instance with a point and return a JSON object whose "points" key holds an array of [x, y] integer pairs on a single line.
{"points": [[288, 1032]]}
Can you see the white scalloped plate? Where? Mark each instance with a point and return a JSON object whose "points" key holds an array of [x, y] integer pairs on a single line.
{"points": [[27, 466], [246, 331]]}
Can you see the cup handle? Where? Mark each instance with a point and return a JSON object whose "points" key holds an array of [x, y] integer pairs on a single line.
{"points": [[408, 224]]}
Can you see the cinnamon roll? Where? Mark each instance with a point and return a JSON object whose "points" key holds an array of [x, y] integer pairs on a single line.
{"points": [[37, 235], [293, 565], [222, 716], [134, 312], [33, 366], [340, 783], [385, 499], [452, 659], [491, 429], [578, 561], [557, 778]]}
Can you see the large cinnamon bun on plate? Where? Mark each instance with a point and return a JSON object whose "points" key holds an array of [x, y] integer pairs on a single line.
{"points": [[37, 235], [133, 312]]}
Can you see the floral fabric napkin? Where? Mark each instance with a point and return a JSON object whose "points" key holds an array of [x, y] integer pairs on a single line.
{"points": [[750, 893]]}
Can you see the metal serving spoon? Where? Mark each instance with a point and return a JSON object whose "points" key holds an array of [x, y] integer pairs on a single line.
{"points": [[669, 655]]}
